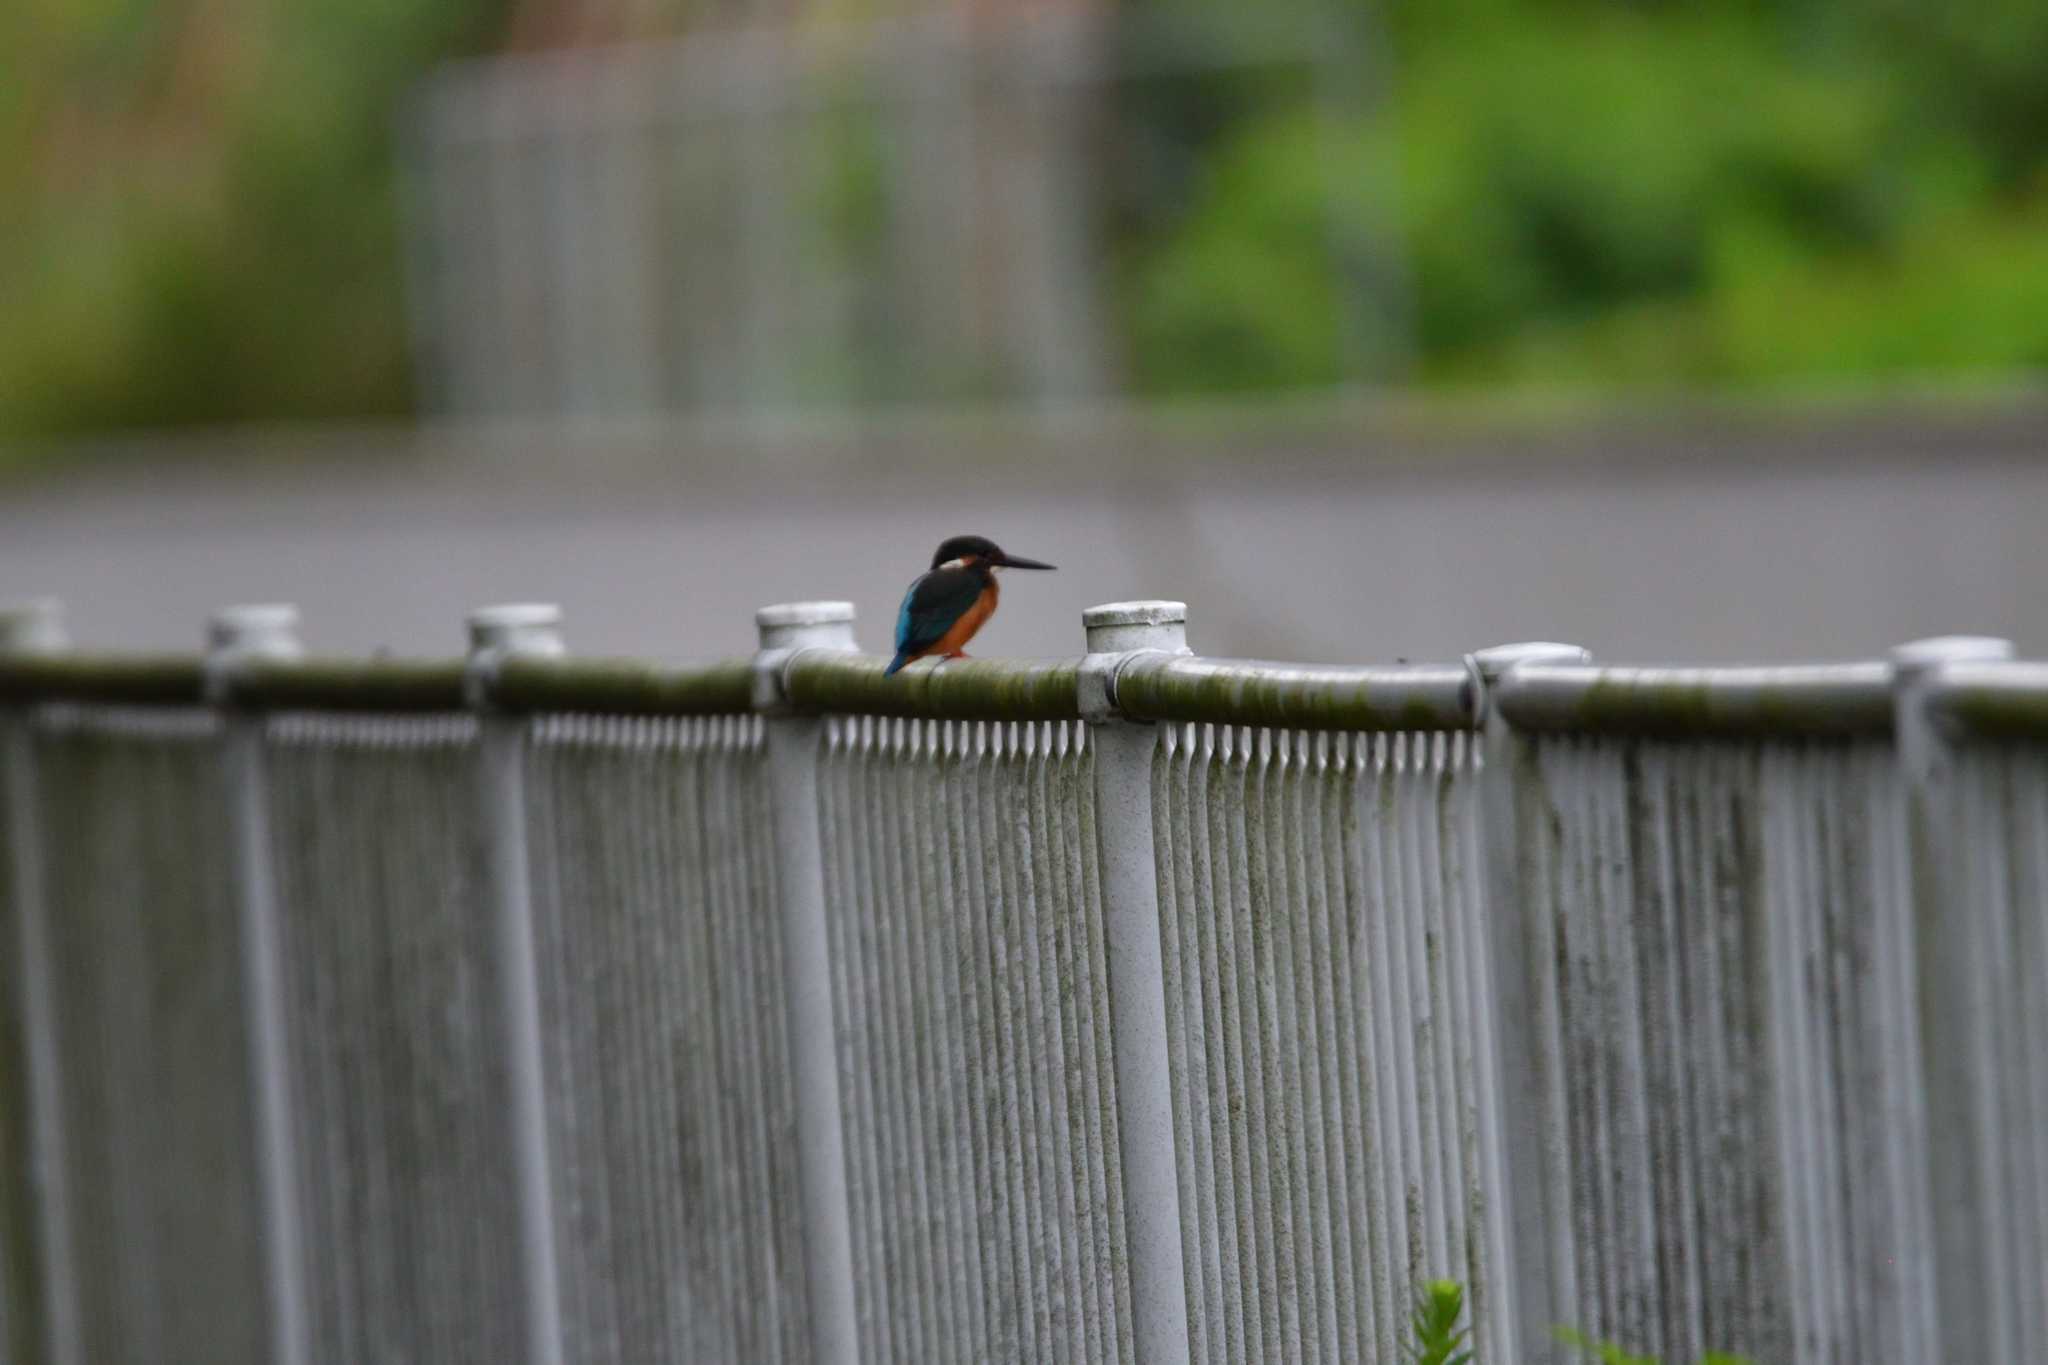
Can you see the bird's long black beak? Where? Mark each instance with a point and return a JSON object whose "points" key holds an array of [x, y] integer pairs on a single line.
{"points": [[1010, 561]]}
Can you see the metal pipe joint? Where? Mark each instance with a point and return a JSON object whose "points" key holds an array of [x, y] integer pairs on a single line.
{"points": [[1118, 634], [787, 630], [516, 629], [239, 636]]}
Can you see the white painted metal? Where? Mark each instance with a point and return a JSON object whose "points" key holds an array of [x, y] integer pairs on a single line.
{"points": [[794, 743], [1740, 1128], [966, 919], [1962, 957], [1687, 1007], [234, 636], [49, 1326], [672, 1116], [1524, 1153], [33, 627], [160, 1171], [1321, 899], [495, 635], [1998, 903], [1123, 757], [409, 1185]]}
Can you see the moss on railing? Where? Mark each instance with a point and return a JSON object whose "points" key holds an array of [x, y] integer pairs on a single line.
{"points": [[623, 687], [1295, 696], [1994, 700], [962, 689], [1829, 699], [382, 685], [1817, 699], [117, 679]]}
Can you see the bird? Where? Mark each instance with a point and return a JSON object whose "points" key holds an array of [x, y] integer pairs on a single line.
{"points": [[946, 606]]}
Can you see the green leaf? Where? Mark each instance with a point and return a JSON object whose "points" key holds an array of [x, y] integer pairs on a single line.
{"points": [[1438, 1338]]}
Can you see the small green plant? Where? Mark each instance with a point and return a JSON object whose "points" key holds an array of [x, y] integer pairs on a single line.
{"points": [[1607, 1353], [1438, 1338]]}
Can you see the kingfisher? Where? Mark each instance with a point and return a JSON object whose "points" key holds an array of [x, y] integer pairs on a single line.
{"points": [[945, 607]]}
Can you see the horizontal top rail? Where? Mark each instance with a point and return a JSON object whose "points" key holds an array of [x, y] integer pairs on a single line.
{"points": [[1801, 699], [1993, 700], [959, 689], [318, 684], [382, 685], [1179, 688], [121, 679], [623, 687]]}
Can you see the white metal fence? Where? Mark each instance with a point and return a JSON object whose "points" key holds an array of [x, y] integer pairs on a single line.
{"points": [[1128, 1007], [972, 1018], [661, 1011], [1328, 1055], [151, 1094]]}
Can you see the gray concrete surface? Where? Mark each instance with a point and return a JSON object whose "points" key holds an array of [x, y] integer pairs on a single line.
{"points": [[1757, 538]]}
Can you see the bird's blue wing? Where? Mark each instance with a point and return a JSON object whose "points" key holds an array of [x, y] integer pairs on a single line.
{"points": [[904, 617], [932, 605]]}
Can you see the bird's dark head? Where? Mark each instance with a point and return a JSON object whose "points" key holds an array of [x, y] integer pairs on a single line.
{"points": [[966, 552]]}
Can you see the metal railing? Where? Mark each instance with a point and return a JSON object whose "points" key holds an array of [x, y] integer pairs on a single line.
{"points": [[1134, 1006]]}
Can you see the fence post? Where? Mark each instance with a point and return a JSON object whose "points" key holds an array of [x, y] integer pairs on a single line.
{"points": [[1523, 1140], [38, 628], [1137, 982], [793, 741], [495, 634], [236, 635], [1953, 960]]}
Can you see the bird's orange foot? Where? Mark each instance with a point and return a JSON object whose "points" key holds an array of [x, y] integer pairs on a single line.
{"points": [[956, 654]]}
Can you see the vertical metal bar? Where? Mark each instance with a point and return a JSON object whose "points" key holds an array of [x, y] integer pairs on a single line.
{"points": [[496, 633], [1137, 975], [234, 635], [1954, 962], [1521, 1139], [793, 742], [38, 628]]}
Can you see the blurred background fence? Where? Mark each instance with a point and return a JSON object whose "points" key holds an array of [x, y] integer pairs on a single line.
{"points": [[1135, 1006], [920, 211], [625, 205]]}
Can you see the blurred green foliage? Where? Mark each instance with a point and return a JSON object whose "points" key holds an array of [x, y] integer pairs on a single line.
{"points": [[1622, 192], [197, 221], [197, 216]]}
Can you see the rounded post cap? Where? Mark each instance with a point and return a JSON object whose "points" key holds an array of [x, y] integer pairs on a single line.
{"points": [[1951, 649], [33, 627], [1115, 627], [255, 628], [1498, 659], [794, 625], [529, 627], [803, 614], [1135, 614], [516, 616]]}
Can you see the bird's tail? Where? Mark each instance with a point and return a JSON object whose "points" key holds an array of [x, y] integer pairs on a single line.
{"points": [[902, 657]]}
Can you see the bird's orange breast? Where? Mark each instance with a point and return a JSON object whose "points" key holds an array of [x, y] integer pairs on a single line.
{"points": [[971, 620]]}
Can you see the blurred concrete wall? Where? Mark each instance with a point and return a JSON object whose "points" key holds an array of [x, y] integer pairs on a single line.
{"points": [[1676, 539]]}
